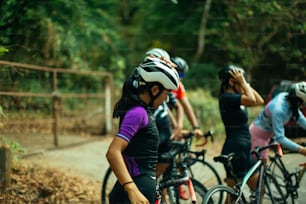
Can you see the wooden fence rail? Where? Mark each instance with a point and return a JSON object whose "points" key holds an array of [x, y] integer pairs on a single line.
{"points": [[55, 96]]}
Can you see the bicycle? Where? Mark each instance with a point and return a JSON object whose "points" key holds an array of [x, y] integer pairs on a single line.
{"points": [[288, 181], [191, 159], [267, 185], [178, 175], [198, 166]]}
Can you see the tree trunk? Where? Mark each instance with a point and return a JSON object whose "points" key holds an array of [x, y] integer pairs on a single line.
{"points": [[202, 30]]}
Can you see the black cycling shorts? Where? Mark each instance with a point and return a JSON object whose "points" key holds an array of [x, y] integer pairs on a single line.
{"points": [[145, 184]]}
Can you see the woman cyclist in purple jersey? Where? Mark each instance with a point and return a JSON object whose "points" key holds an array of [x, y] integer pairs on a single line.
{"points": [[133, 153]]}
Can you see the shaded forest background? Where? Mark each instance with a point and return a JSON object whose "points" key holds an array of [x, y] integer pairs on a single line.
{"points": [[267, 38]]}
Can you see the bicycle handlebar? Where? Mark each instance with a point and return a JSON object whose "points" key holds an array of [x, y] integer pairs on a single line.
{"points": [[183, 146], [209, 133], [275, 146]]}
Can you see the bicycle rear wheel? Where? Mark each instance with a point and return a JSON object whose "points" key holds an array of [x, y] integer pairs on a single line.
{"points": [[109, 181], [171, 194], [213, 195]]}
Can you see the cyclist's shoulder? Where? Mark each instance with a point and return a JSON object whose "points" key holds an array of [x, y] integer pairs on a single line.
{"points": [[279, 104]]}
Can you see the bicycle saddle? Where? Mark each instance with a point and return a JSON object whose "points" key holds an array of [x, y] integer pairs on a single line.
{"points": [[224, 158]]}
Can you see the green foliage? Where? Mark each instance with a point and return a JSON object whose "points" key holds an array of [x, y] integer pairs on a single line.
{"points": [[2, 114], [15, 146], [207, 111], [77, 34], [111, 35], [3, 50], [203, 76]]}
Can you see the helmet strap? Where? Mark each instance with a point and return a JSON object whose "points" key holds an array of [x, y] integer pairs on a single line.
{"points": [[161, 88]]}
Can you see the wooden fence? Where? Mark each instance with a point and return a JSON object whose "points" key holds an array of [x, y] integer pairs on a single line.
{"points": [[55, 96]]}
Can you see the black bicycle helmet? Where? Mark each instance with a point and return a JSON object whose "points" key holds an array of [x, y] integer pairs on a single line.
{"points": [[224, 74], [181, 64]]}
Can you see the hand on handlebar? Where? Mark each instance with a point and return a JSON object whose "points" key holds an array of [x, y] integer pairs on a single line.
{"points": [[176, 134], [302, 150], [198, 133]]}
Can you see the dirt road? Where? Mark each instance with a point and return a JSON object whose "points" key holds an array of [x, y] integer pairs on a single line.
{"points": [[88, 159]]}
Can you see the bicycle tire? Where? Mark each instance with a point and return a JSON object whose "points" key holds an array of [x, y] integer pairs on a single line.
{"points": [[199, 189], [109, 180], [205, 172], [213, 195], [274, 193], [277, 171]]}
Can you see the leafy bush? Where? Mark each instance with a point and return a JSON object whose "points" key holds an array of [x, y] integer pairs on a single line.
{"points": [[207, 111], [15, 146]]}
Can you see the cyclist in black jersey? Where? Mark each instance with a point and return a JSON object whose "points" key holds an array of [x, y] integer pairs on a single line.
{"points": [[163, 123], [235, 95], [132, 154], [169, 127]]}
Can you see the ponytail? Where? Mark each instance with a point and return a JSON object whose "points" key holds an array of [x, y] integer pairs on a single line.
{"points": [[293, 100], [127, 100]]}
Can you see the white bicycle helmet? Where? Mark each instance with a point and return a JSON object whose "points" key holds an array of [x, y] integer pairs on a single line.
{"points": [[157, 52], [156, 70], [300, 90]]}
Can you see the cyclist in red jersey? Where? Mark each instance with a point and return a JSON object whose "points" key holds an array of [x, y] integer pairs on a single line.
{"points": [[180, 94], [182, 67]]}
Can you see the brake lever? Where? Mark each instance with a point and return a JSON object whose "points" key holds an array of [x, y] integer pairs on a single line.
{"points": [[210, 134]]}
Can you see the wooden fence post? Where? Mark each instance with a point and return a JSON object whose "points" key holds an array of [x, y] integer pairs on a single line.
{"points": [[108, 106], [5, 166], [55, 99]]}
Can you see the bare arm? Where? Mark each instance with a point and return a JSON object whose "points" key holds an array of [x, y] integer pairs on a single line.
{"points": [[258, 97], [177, 122], [179, 114], [191, 116], [115, 159], [249, 97]]}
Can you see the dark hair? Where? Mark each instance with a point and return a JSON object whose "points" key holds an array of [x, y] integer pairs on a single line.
{"points": [[294, 102], [130, 96], [224, 76]]}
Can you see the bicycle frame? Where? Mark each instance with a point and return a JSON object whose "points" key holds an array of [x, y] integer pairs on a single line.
{"points": [[184, 178], [263, 180], [243, 185]]}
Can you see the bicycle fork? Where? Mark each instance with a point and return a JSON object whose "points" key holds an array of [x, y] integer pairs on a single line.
{"points": [[191, 191]]}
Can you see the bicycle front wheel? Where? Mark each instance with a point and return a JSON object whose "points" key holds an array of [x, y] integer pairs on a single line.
{"points": [[205, 173], [172, 194], [213, 195], [274, 192], [280, 176], [108, 183]]}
